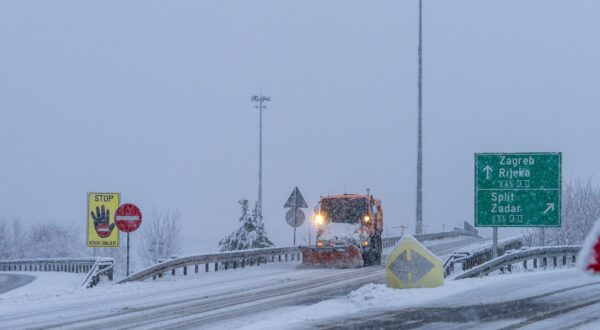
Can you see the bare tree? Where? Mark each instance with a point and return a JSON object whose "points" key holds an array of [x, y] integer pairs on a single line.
{"points": [[5, 251], [580, 209], [160, 237], [17, 239], [51, 240]]}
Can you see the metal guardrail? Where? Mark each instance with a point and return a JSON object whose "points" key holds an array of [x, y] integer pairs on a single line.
{"points": [[537, 257], [470, 259], [389, 242], [223, 260], [71, 265], [243, 258], [102, 266]]}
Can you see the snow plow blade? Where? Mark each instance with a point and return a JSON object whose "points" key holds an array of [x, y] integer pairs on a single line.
{"points": [[329, 257]]}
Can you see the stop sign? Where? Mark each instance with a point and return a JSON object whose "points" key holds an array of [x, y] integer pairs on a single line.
{"points": [[128, 218]]}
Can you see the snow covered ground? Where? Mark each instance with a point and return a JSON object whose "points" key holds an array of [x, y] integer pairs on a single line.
{"points": [[270, 296], [57, 297], [373, 300], [45, 285]]}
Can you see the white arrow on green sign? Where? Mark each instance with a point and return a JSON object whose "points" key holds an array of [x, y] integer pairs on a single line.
{"points": [[518, 189]]}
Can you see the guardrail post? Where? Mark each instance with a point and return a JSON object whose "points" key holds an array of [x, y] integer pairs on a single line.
{"points": [[196, 268], [545, 260], [279, 257], [184, 270], [173, 272], [206, 266], [216, 266], [525, 264], [286, 257]]}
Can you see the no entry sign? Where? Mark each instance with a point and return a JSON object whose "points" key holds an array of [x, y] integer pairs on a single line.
{"points": [[128, 218]]}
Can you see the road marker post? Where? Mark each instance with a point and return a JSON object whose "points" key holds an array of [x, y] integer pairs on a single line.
{"points": [[412, 265]]}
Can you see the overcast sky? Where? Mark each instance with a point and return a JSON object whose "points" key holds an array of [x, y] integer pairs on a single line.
{"points": [[152, 99]]}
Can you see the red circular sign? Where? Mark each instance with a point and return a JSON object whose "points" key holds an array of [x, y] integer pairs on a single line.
{"points": [[128, 218]]}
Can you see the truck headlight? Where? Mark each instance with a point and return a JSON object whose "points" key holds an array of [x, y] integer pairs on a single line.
{"points": [[367, 218], [319, 219]]}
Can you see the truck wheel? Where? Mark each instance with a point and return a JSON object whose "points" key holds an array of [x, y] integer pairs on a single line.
{"points": [[378, 251], [367, 258]]}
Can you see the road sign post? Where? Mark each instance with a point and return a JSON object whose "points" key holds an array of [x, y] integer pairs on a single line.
{"points": [[128, 218], [295, 217], [411, 265], [495, 242]]}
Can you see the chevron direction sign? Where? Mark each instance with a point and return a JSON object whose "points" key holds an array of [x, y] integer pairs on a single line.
{"points": [[411, 265]]}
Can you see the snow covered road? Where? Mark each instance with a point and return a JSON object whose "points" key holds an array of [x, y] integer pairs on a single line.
{"points": [[215, 299], [10, 282], [559, 299]]}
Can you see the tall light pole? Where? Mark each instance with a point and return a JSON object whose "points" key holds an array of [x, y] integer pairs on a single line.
{"points": [[419, 226], [260, 100]]}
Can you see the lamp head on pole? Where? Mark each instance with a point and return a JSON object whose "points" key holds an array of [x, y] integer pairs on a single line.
{"points": [[260, 98]]}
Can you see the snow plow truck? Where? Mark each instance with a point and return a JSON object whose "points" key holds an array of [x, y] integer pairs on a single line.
{"points": [[349, 231]]}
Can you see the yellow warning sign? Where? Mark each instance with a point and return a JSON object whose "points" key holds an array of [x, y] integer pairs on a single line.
{"points": [[411, 265], [101, 229]]}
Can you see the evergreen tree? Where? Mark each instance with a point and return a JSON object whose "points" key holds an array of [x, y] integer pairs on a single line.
{"points": [[261, 239], [251, 235]]}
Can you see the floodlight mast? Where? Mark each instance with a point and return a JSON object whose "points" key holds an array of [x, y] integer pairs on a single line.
{"points": [[260, 100], [419, 213]]}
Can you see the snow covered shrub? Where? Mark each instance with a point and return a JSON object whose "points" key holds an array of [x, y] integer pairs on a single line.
{"points": [[250, 235]]}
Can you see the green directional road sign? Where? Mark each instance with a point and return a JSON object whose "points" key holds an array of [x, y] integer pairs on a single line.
{"points": [[518, 189]]}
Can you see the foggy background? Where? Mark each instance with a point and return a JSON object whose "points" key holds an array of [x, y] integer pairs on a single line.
{"points": [[152, 99]]}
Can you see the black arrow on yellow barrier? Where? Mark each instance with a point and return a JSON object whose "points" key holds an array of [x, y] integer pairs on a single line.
{"points": [[410, 267]]}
